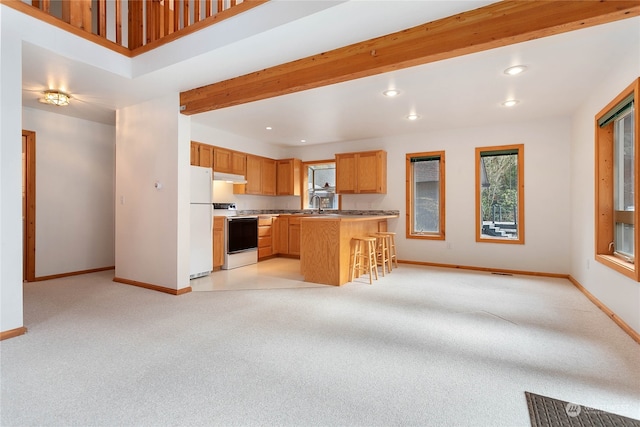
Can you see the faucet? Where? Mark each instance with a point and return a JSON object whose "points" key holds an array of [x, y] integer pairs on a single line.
{"points": [[319, 202]]}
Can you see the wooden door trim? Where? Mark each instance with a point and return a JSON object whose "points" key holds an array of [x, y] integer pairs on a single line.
{"points": [[30, 214]]}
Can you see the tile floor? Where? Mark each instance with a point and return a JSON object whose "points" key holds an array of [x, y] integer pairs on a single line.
{"points": [[276, 273]]}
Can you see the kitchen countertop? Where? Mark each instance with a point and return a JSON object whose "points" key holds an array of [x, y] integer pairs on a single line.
{"points": [[328, 214]]}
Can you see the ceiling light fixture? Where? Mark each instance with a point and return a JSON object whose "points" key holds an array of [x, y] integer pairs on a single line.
{"points": [[57, 98], [391, 93], [413, 117], [515, 70], [510, 103], [303, 140], [268, 128]]}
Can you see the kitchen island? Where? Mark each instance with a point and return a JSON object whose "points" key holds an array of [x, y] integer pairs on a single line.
{"points": [[325, 244]]}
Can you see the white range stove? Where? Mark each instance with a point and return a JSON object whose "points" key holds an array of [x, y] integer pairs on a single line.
{"points": [[240, 236]]}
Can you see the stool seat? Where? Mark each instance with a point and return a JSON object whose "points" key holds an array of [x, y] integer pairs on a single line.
{"points": [[363, 258]]}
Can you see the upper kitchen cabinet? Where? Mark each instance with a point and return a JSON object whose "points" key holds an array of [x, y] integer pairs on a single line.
{"points": [[288, 177], [362, 172], [238, 163], [205, 155], [269, 177], [253, 175], [195, 154], [229, 161], [260, 175]]}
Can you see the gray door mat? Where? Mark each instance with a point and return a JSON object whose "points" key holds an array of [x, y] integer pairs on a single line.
{"points": [[548, 412]]}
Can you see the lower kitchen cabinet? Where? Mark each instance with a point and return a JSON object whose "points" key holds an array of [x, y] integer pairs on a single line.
{"points": [[294, 236], [281, 234], [218, 242], [265, 237]]}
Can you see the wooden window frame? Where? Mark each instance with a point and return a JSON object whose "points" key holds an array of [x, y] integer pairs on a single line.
{"points": [[521, 225], [304, 182], [604, 187], [410, 233]]}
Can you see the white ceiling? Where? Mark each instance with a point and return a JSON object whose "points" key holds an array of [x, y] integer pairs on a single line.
{"points": [[459, 92]]}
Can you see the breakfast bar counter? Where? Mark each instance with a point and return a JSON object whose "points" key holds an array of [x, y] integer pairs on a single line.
{"points": [[325, 244]]}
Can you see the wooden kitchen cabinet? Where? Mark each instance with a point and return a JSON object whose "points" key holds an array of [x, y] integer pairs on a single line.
{"points": [[294, 236], [280, 235], [362, 172], [229, 161], [261, 177], [221, 160], [288, 177], [205, 155], [268, 177], [218, 242], [265, 237], [195, 154], [253, 175], [238, 163], [346, 173]]}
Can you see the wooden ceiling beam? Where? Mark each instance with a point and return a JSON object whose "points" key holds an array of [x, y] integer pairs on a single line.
{"points": [[496, 25]]}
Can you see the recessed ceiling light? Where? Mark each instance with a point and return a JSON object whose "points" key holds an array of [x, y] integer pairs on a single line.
{"points": [[510, 103], [268, 128], [515, 70], [413, 117], [391, 93], [303, 140]]}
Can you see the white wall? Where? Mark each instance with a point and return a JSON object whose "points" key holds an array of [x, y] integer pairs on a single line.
{"points": [[619, 293], [547, 209], [10, 174], [75, 173], [152, 225]]}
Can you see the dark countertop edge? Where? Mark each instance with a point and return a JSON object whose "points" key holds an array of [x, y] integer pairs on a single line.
{"points": [[329, 214], [347, 218]]}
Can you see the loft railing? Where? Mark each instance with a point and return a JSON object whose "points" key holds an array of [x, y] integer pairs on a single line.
{"points": [[132, 26]]}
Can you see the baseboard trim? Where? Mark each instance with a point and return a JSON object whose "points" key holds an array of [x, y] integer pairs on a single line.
{"points": [[621, 323], [12, 333], [486, 269], [153, 287], [71, 273]]}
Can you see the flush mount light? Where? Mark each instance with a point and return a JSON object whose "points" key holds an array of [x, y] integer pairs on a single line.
{"points": [[515, 70], [413, 117], [510, 103], [55, 97], [391, 93], [268, 128], [303, 140]]}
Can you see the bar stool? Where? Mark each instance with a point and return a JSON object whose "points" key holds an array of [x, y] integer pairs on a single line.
{"points": [[383, 245], [363, 258], [393, 256]]}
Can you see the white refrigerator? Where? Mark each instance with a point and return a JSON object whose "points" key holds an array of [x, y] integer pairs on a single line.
{"points": [[201, 228]]}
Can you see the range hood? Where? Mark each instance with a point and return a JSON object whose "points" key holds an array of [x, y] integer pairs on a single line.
{"points": [[229, 177]]}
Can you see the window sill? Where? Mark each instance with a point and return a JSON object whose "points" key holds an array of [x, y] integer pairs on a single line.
{"points": [[506, 241], [426, 236], [618, 264]]}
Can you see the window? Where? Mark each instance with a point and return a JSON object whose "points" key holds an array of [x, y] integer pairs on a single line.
{"points": [[616, 181], [500, 194], [320, 185], [425, 195]]}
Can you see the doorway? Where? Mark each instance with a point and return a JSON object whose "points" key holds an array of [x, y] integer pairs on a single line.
{"points": [[28, 205]]}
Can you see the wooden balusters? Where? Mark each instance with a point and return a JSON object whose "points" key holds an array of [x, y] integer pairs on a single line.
{"points": [[147, 21]]}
